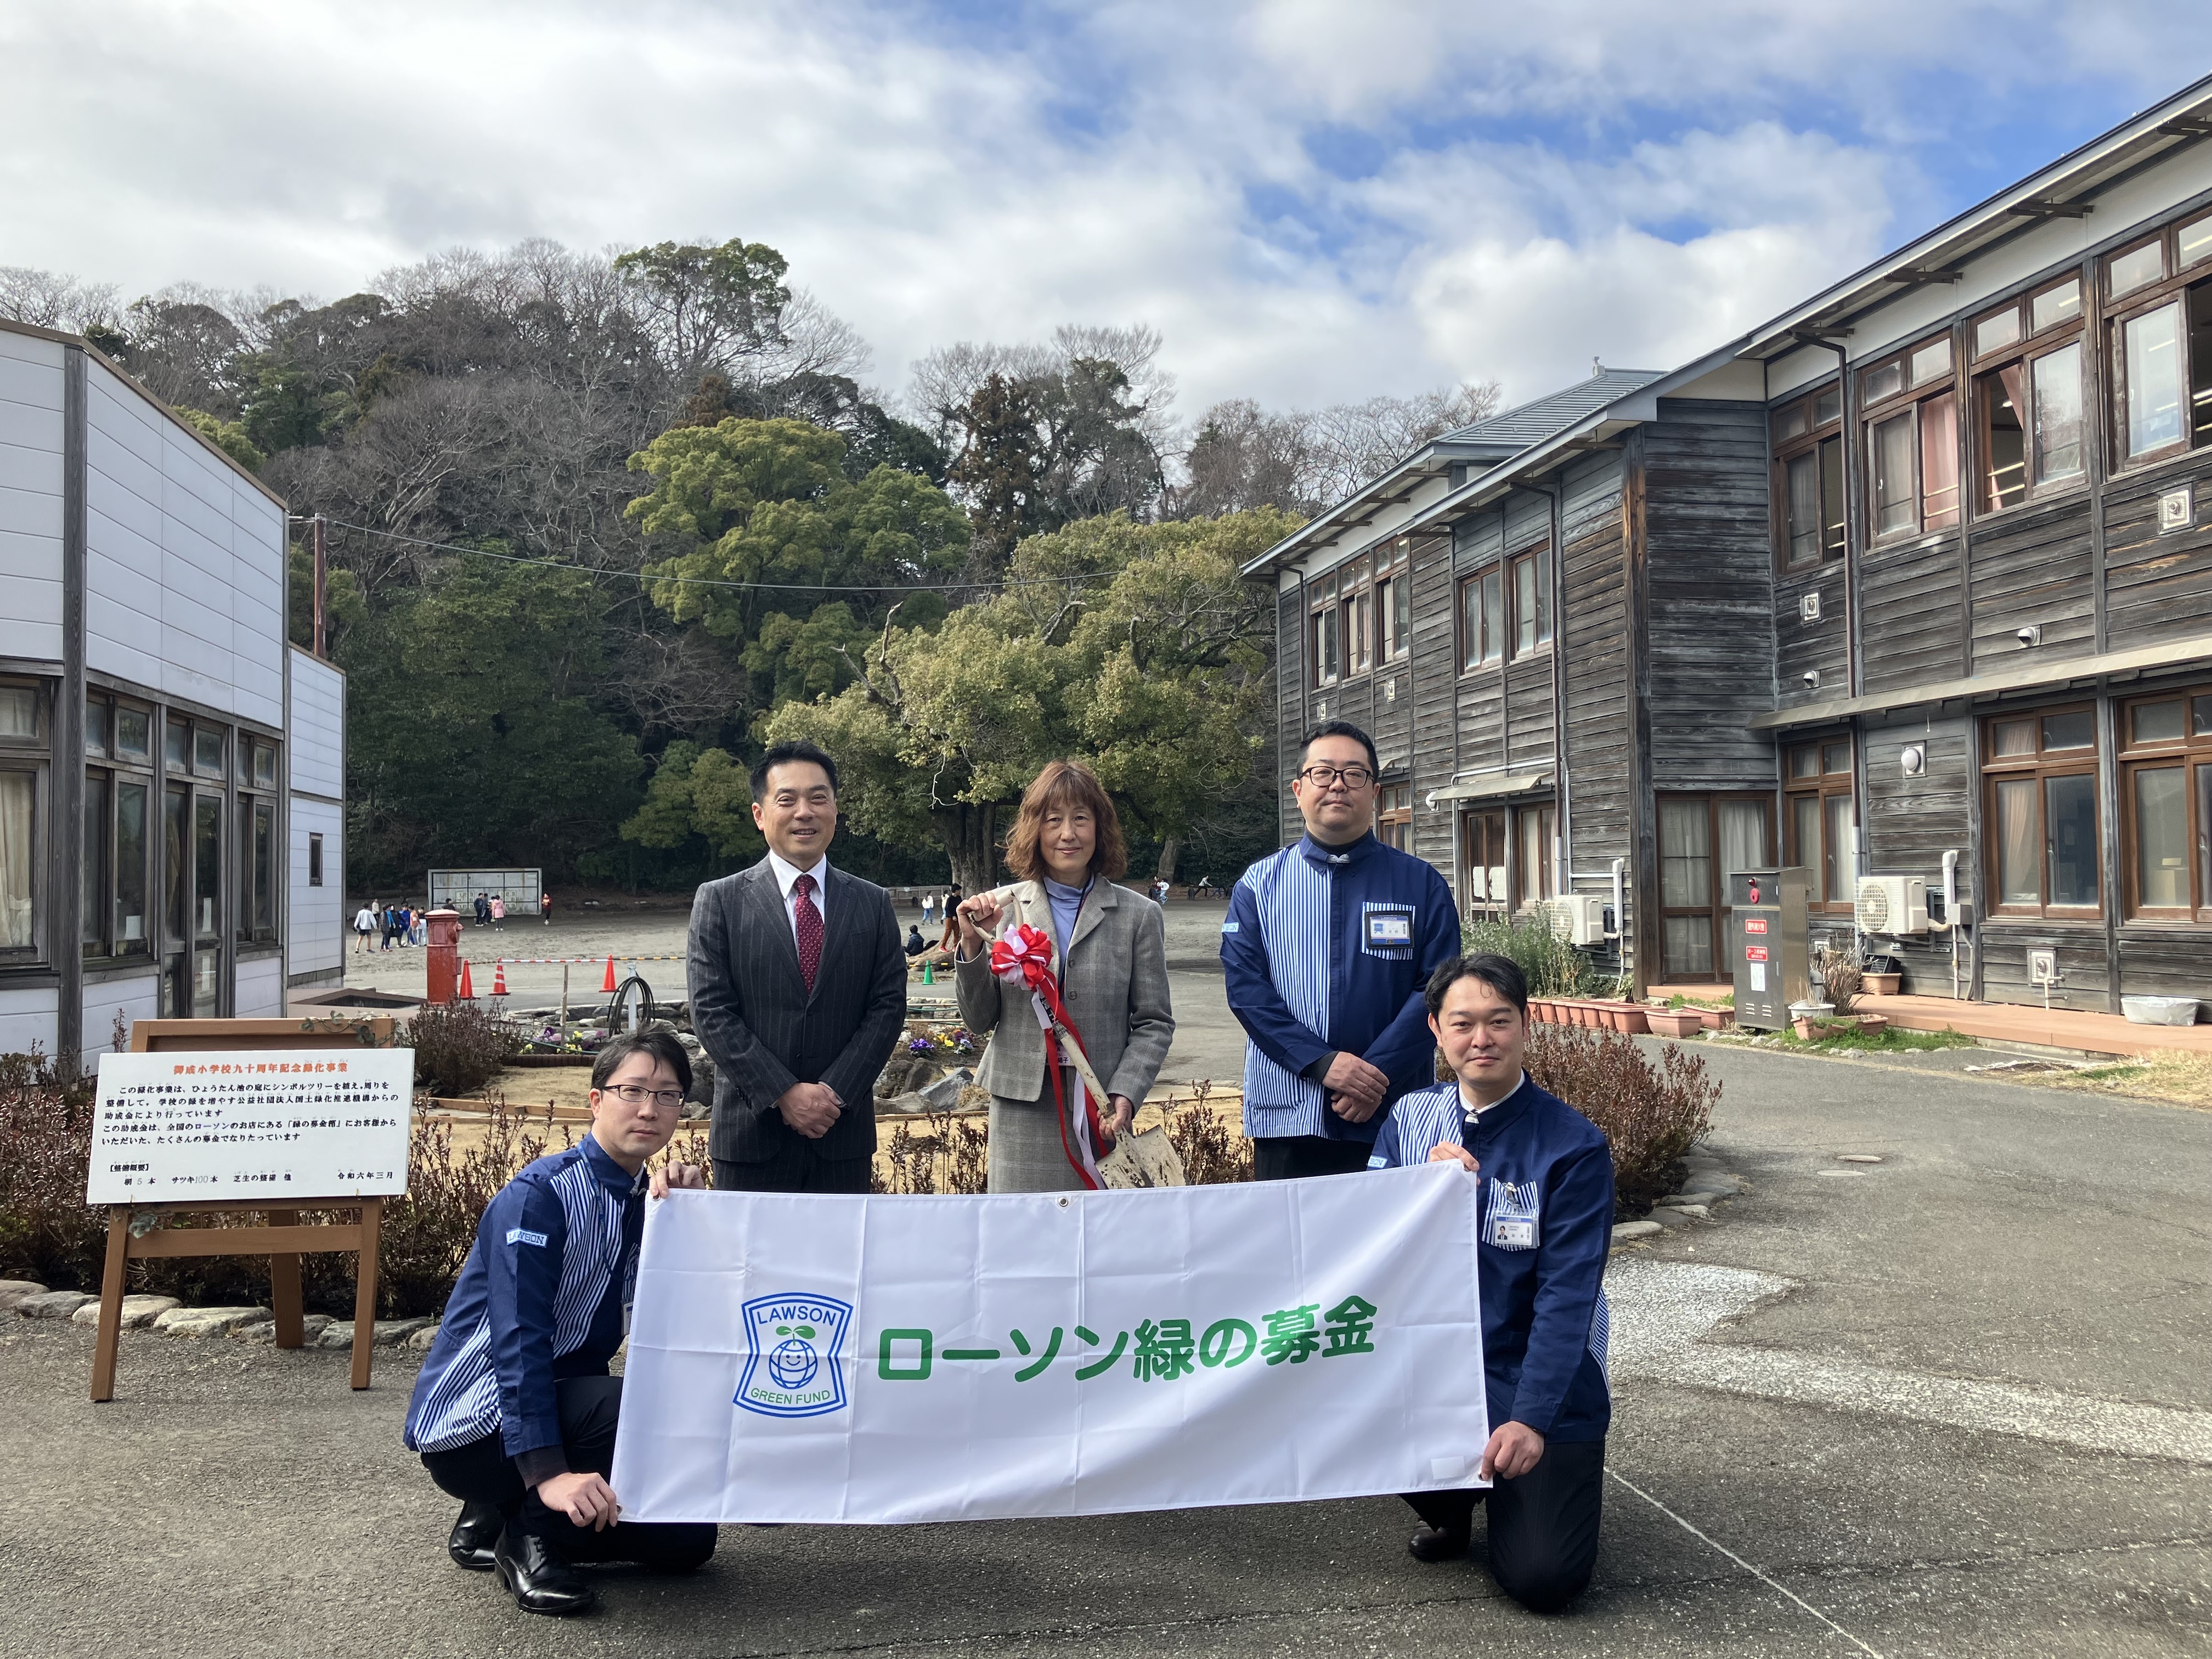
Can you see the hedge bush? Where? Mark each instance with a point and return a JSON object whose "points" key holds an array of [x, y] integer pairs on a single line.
{"points": [[1553, 967], [459, 1047], [1650, 1114]]}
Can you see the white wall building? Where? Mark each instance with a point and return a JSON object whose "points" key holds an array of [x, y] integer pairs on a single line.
{"points": [[142, 594]]}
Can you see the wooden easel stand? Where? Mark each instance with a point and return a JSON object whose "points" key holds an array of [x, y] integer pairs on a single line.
{"points": [[284, 1238]]}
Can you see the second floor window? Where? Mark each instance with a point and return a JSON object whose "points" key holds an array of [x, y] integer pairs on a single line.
{"points": [[1394, 601], [2161, 342], [1531, 601], [1912, 441], [1481, 618], [1810, 457]]}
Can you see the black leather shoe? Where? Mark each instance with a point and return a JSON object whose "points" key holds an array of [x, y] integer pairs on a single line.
{"points": [[540, 1580], [1436, 1544], [475, 1536]]}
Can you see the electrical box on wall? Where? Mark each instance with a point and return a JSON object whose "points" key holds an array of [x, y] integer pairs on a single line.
{"points": [[1808, 607], [2177, 509], [2042, 967]]}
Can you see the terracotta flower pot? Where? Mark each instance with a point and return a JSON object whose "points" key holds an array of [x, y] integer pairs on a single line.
{"points": [[1675, 1021], [1874, 1024], [1635, 1021], [1716, 1019], [1883, 985]]}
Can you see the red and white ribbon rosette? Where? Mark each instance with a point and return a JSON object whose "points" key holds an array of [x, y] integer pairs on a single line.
{"points": [[1023, 957]]}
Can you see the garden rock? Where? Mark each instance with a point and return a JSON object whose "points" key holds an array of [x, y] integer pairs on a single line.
{"points": [[52, 1304], [264, 1330], [338, 1334], [207, 1321], [422, 1339], [391, 1332], [15, 1290], [1683, 1201], [1625, 1231], [1698, 1210], [138, 1311], [1668, 1218]]}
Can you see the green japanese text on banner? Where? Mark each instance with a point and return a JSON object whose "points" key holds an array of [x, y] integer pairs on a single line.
{"points": [[880, 1359]]}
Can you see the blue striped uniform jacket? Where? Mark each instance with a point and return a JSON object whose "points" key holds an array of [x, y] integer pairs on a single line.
{"points": [[1326, 951], [1545, 1224], [543, 1296]]}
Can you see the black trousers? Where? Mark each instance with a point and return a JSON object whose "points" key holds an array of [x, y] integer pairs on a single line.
{"points": [[1293, 1158], [794, 1169], [1543, 1525], [482, 1473]]}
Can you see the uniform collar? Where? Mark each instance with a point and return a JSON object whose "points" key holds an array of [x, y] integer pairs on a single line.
{"points": [[610, 1174], [1500, 1111], [1336, 857]]}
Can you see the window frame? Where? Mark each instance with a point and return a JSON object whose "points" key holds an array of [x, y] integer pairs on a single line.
{"points": [[1490, 628], [1821, 785], [1537, 558], [119, 771], [2041, 766], [1394, 580], [1393, 816], [1807, 440], [1324, 631], [1485, 818], [32, 755], [1716, 909], [2025, 351], [2192, 754], [314, 858], [2173, 287], [1546, 815]]}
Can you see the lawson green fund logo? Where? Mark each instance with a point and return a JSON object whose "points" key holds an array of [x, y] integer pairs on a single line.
{"points": [[792, 1368]]}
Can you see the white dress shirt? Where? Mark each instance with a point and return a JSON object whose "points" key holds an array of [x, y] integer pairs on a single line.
{"points": [[1472, 1112], [786, 875]]}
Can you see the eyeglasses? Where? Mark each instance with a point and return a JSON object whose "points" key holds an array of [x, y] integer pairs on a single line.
{"points": [[1327, 777], [636, 1094]]}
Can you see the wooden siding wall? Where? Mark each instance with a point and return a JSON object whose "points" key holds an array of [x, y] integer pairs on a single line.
{"points": [[1430, 685], [1712, 623], [1594, 668], [1292, 671], [1910, 822], [2032, 565]]}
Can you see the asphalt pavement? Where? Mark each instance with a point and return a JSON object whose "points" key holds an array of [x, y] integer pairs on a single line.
{"points": [[1955, 1402]]}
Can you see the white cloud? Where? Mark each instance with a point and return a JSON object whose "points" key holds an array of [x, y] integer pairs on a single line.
{"points": [[930, 186]]}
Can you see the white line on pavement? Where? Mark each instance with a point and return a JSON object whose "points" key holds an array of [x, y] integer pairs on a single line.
{"points": [[1661, 1311], [1762, 1577]]}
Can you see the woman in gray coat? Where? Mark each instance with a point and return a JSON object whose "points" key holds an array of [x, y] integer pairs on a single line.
{"points": [[1109, 954]]}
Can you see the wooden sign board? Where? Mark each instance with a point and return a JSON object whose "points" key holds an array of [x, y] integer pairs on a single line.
{"points": [[182, 1140], [274, 1123]]}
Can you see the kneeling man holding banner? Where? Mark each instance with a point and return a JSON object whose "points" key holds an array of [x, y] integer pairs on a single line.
{"points": [[515, 1412], [1545, 1226]]}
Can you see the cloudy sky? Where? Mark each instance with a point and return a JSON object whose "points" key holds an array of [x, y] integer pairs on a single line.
{"points": [[1312, 200]]}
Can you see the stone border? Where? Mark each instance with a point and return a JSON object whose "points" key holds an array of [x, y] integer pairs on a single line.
{"points": [[167, 1317], [1707, 1186]]}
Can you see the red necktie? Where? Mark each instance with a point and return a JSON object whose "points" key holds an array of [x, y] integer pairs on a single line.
{"points": [[808, 921]]}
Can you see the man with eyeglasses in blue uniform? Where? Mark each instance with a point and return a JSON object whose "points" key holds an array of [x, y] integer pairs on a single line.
{"points": [[514, 1413], [1326, 950]]}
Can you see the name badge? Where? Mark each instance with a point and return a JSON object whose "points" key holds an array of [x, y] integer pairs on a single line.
{"points": [[1389, 927], [1513, 1233]]}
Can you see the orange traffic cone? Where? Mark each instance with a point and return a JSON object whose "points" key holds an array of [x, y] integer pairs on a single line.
{"points": [[608, 984], [499, 978], [468, 992]]}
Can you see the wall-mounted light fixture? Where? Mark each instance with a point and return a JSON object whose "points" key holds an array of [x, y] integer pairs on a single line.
{"points": [[2030, 636], [1913, 758], [1811, 679]]}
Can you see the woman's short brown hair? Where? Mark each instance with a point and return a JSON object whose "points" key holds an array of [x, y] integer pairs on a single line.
{"points": [[1064, 784]]}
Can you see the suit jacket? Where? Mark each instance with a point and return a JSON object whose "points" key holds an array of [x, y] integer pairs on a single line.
{"points": [[753, 1012], [1115, 983]]}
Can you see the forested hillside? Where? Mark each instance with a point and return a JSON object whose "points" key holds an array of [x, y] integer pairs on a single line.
{"points": [[601, 525]]}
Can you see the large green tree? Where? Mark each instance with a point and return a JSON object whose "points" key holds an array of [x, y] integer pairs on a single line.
{"points": [[755, 520], [1134, 646]]}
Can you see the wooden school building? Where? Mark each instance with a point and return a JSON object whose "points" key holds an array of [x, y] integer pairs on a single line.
{"points": [[1911, 584]]}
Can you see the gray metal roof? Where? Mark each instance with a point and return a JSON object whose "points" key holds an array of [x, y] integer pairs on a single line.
{"points": [[1532, 423]]}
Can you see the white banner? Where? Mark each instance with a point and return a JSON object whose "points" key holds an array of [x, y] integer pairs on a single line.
{"points": [[277, 1123], [823, 1358]]}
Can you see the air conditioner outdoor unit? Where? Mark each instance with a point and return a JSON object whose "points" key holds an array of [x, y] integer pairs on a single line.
{"points": [[1577, 918], [1892, 904]]}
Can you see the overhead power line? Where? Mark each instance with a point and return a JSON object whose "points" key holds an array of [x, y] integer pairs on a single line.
{"points": [[711, 582]]}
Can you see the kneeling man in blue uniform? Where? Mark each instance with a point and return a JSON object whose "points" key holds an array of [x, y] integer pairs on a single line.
{"points": [[514, 1413], [1545, 1226]]}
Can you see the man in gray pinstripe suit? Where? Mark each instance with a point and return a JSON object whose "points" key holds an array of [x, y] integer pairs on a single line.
{"points": [[798, 991]]}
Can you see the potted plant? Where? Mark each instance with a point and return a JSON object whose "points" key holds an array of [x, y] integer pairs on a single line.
{"points": [[1883, 975], [1675, 1021], [1812, 1020], [1716, 1019]]}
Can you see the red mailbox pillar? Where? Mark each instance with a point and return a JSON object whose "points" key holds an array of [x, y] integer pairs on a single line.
{"points": [[444, 953]]}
